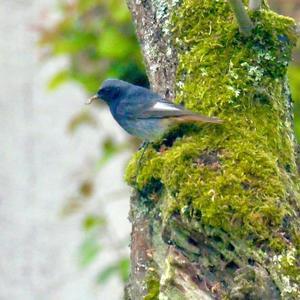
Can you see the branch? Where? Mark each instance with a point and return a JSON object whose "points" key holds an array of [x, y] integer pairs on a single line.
{"points": [[242, 17], [254, 5]]}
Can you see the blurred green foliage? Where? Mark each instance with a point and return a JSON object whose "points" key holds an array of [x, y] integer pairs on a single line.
{"points": [[91, 246], [294, 80], [95, 228], [98, 38], [84, 117], [292, 8], [120, 267]]}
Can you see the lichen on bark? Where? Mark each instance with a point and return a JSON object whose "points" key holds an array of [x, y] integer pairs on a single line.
{"points": [[225, 197]]}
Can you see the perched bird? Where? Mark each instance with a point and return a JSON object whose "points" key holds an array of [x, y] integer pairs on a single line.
{"points": [[143, 113]]}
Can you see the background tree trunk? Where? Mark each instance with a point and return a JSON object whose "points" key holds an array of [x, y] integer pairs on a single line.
{"points": [[215, 209]]}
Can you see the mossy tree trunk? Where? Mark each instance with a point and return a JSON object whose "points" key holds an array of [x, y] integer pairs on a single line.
{"points": [[215, 208]]}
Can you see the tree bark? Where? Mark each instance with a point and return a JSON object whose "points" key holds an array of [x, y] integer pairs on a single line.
{"points": [[215, 208]]}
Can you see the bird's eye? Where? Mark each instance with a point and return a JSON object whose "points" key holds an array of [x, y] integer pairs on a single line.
{"points": [[105, 90]]}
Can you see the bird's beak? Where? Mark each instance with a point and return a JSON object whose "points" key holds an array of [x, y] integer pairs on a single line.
{"points": [[95, 97]]}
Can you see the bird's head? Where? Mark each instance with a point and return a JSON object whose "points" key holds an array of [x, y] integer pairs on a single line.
{"points": [[110, 90]]}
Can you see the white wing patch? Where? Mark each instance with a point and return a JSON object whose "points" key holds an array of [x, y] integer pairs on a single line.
{"points": [[161, 106]]}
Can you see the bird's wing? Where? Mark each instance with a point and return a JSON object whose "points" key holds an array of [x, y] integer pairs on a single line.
{"points": [[141, 103], [164, 109], [137, 101]]}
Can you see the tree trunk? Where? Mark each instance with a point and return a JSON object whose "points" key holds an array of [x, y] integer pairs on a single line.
{"points": [[215, 208]]}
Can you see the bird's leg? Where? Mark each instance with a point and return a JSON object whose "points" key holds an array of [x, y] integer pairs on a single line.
{"points": [[143, 146]]}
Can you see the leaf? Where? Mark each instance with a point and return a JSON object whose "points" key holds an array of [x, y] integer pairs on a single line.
{"points": [[72, 205], [294, 80], [58, 79], [113, 44], [107, 273], [119, 11], [120, 268], [73, 42], [88, 251], [110, 149], [93, 221], [83, 118], [86, 188], [124, 268]]}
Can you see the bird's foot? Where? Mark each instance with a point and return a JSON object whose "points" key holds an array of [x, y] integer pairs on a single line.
{"points": [[144, 145]]}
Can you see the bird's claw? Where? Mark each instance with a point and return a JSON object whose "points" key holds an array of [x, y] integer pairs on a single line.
{"points": [[144, 145]]}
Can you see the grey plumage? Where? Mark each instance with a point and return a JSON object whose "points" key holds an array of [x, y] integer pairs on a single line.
{"points": [[143, 113]]}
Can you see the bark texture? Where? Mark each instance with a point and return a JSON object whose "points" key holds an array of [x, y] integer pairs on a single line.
{"points": [[215, 209]]}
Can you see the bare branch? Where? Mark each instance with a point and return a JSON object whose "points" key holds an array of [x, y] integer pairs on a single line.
{"points": [[242, 17], [254, 5]]}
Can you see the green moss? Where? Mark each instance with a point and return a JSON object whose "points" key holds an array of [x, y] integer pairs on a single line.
{"points": [[240, 176], [152, 284]]}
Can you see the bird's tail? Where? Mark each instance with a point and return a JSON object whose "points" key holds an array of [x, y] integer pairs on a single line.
{"points": [[190, 118]]}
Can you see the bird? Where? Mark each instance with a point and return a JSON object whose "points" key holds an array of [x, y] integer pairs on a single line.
{"points": [[143, 113]]}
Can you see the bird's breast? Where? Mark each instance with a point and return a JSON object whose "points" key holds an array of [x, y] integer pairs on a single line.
{"points": [[148, 129]]}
